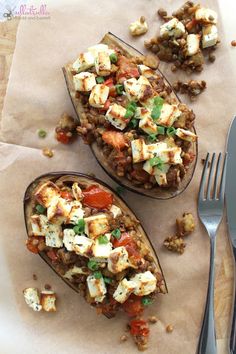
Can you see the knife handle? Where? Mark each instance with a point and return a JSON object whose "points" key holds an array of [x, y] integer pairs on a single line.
{"points": [[232, 343]]}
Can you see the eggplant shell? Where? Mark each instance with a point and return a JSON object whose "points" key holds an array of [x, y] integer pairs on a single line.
{"points": [[157, 192], [85, 180]]}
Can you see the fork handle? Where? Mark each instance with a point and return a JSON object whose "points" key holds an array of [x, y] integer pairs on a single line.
{"points": [[232, 343], [207, 340]]}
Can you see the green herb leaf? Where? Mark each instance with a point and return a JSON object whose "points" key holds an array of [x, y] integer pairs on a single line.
{"points": [[158, 101], [97, 275], [129, 113], [171, 131], [160, 130], [42, 133], [132, 106], [116, 233], [156, 112], [120, 190], [119, 89], [79, 228], [100, 79], [107, 280], [146, 301], [156, 161], [40, 209], [133, 123], [92, 265], [113, 58], [152, 137], [103, 240]]}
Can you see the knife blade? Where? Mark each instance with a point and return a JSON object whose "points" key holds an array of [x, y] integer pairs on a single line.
{"points": [[230, 195]]}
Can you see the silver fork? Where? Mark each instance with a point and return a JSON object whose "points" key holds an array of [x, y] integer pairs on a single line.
{"points": [[210, 211]]}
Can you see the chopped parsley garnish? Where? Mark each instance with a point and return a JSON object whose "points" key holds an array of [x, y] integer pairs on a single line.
{"points": [[156, 111], [113, 58], [156, 161], [79, 227], [100, 79], [103, 240], [97, 275], [40, 209], [107, 280], [92, 265], [133, 123], [160, 130], [146, 301], [171, 131], [42, 133], [130, 109], [152, 137], [116, 233], [119, 89]]}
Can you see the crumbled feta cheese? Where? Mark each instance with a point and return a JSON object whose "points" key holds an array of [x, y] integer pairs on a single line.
{"points": [[132, 89], [84, 62], [123, 291], [96, 225], [102, 251], [83, 245], [116, 116], [32, 299], [186, 135], [53, 236], [209, 36], [39, 224], [115, 210], [206, 16], [46, 192], [145, 283], [118, 260], [193, 43], [98, 95], [68, 239], [94, 50], [173, 28], [84, 81], [146, 71], [76, 213], [138, 27], [97, 288]]}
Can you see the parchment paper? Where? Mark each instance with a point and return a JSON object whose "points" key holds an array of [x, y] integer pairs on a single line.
{"points": [[36, 97]]}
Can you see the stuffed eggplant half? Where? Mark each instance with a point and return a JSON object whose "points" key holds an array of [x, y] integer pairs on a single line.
{"points": [[90, 238], [137, 128]]}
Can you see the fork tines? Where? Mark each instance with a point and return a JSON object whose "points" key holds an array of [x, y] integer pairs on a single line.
{"points": [[213, 187]]}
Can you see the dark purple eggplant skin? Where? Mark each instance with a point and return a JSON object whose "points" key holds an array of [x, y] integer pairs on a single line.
{"points": [[54, 176], [155, 193]]}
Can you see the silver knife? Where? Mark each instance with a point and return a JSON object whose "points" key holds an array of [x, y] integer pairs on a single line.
{"points": [[230, 193]]}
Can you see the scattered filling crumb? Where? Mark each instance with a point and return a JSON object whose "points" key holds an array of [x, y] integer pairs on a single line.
{"points": [[192, 88]]}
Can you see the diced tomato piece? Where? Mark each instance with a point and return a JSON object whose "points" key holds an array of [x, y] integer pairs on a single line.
{"points": [[114, 138], [140, 175], [133, 306], [124, 240], [139, 328], [96, 197], [191, 24], [66, 195], [52, 255], [109, 82], [129, 243], [33, 243], [112, 91], [126, 70], [63, 137]]}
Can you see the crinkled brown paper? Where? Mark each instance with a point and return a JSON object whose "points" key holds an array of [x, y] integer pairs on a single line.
{"points": [[36, 97]]}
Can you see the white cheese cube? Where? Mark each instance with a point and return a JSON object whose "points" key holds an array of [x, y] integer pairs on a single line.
{"points": [[146, 89], [156, 149], [186, 135], [46, 192], [84, 62], [173, 28], [132, 89], [76, 213], [58, 210], [53, 236], [39, 224], [116, 116], [209, 36], [171, 156], [147, 125], [115, 210], [146, 71], [137, 28], [123, 291], [83, 246], [169, 114], [103, 64], [149, 101], [206, 16], [97, 288], [74, 271], [193, 43], [96, 225], [145, 283], [142, 112], [102, 251], [84, 81], [32, 299], [160, 175], [118, 260], [139, 150], [48, 300], [68, 239], [94, 50], [98, 95]]}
